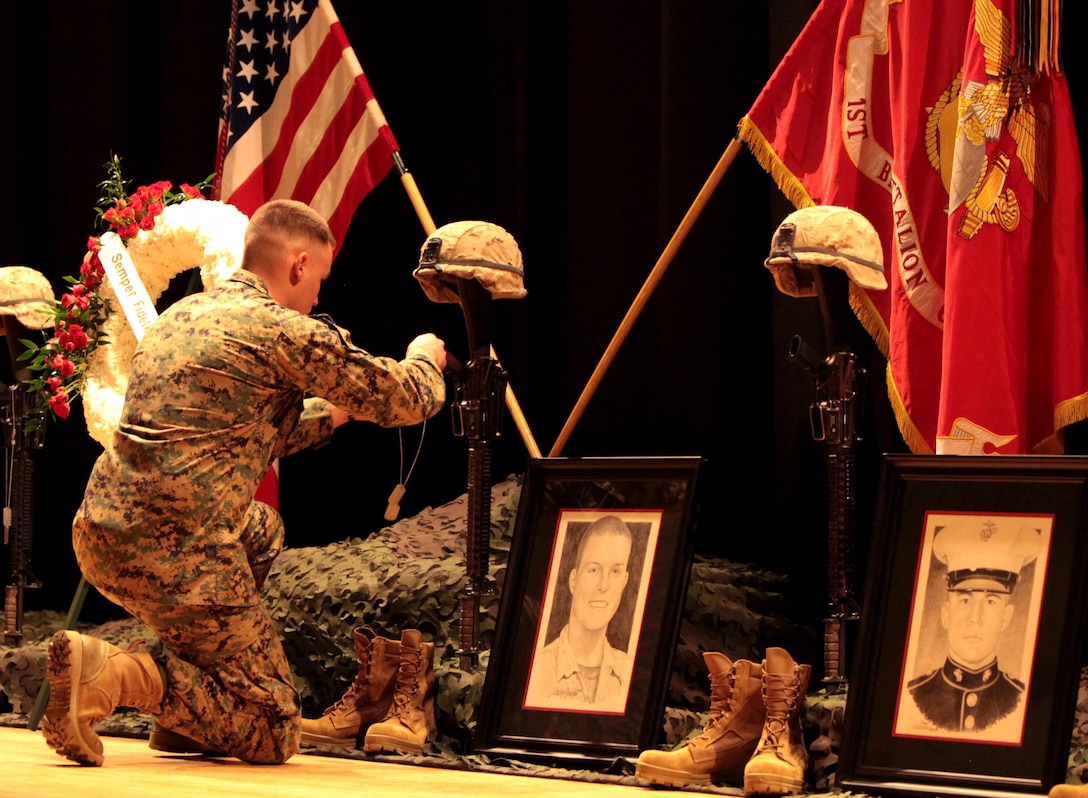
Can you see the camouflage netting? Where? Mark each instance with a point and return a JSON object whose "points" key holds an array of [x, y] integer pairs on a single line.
{"points": [[409, 575], [1078, 749]]}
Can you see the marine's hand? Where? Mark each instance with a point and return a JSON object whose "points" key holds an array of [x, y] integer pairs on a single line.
{"points": [[432, 346]]}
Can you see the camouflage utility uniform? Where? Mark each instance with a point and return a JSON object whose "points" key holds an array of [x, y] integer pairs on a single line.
{"points": [[168, 527], [557, 674]]}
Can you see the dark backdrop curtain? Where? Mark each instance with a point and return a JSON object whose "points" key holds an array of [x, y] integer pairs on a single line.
{"points": [[587, 130]]}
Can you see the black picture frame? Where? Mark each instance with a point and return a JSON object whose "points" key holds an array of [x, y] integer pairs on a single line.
{"points": [[898, 735], [656, 498]]}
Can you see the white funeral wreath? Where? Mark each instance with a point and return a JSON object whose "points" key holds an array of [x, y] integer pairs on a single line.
{"points": [[197, 232]]}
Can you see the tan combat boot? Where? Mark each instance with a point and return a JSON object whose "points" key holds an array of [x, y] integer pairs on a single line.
{"points": [[411, 717], [367, 700], [1069, 791], [778, 765], [730, 735], [88, 680]]}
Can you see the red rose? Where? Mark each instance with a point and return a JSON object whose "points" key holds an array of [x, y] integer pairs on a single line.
{"points": [[91, 262], [80, 302], [90, 279], [66, 367], [59, 403]]}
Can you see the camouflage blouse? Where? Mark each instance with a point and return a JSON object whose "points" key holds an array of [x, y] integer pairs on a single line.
{"points": [[216, 392]]}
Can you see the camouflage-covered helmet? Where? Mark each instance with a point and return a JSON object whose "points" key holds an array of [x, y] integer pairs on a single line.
{"points": [[27, 295], [825, 235], [478, 251]]}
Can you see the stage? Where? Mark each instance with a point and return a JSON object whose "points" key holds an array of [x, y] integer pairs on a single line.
{"points": [[31, 768]]}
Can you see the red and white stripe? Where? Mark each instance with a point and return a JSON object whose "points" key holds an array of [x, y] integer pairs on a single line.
{"points": [[323, 141]]}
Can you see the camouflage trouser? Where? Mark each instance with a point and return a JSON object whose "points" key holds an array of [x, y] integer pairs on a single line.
{"points": [[228, 684]]}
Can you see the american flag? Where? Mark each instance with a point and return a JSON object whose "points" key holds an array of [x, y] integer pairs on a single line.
{"points": [[299, 120]]}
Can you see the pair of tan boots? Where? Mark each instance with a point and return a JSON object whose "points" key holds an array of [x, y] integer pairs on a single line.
{"points": [[754, 729], [390, 705]]}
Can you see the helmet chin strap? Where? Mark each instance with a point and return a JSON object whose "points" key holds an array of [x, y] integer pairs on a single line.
{"points": [[475, 302]]}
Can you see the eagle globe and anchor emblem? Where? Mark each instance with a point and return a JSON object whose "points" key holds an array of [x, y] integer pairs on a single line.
{"points": [[966, 117], [959, 125]]}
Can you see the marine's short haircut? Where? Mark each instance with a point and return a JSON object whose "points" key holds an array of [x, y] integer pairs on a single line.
{"points": [[290, 218], [605, 525]]}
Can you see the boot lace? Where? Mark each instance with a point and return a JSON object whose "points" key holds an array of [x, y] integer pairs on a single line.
{"points": [[407, 683], [781, 699], [722, 686], [358, 687]]}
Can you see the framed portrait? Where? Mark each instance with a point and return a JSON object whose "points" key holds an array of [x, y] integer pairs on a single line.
{"points": [[972, 628], [590, 612]]}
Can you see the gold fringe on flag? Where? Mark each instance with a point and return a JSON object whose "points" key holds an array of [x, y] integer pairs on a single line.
{"points": [[869, 317], [1066, 413], [1071, 411], [772, 164], [911, 436], [873, 323]]}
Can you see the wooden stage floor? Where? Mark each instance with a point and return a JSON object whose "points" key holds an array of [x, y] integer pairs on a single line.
{"points": [[29, 768]]}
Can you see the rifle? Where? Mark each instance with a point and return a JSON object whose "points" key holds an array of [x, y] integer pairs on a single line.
{"points": [[20, 443], [477, 408], [833, 420]]}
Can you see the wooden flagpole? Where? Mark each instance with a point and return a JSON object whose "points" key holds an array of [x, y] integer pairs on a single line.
{"points": [[644, 294], [429, 227]]}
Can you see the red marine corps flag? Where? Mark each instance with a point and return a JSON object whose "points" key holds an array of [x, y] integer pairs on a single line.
{"points": [[299, 120], [949, 126]]}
